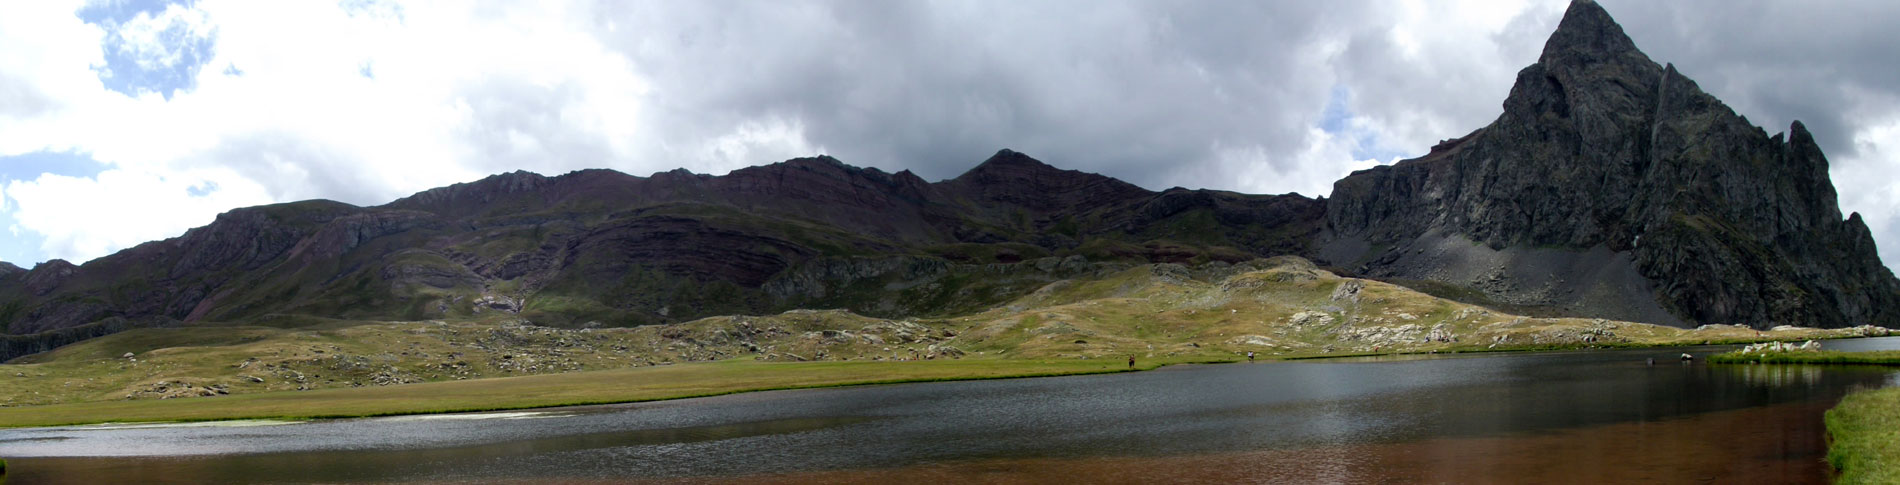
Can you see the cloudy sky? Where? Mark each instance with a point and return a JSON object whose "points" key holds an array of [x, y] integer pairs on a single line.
{"points": [[128, 121]]}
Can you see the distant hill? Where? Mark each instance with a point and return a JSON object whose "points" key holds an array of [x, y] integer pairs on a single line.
{"points": [[1610, 187]]}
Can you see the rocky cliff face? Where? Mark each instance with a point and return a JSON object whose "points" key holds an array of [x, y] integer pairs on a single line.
{"points": [[1621, 181]]}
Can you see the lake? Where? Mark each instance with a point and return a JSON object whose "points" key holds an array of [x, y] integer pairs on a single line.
{"points": [[1583, 416]]}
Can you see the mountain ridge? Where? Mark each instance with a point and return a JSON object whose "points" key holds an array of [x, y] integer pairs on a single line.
{"points": [[1610, 187]]}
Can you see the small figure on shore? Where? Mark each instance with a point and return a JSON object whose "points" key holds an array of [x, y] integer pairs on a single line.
{"points": [[1250, 356], [1131, 361]]}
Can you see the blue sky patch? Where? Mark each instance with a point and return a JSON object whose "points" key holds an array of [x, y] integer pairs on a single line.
{"points": [[1336, 119], [23, 249], [168, 63], [203, 189], [1337, 116], [29, 166]]}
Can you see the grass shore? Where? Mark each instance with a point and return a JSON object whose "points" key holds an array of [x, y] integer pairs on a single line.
{"points": [[1828, 357], [550, 390], [1864, 429], [637, 384], [1864, 433]]}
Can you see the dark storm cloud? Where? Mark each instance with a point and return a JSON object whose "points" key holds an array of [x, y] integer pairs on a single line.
{"points": [[1831, 65], [1264, 97], [1133, 90], [1147, 91], [1219, 94]]}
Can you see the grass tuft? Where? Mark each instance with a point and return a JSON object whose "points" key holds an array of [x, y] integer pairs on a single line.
{"points": [[1864, 437]]}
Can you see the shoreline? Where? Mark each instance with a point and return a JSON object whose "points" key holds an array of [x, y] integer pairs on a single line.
{"points": [[155, 412], [1810, 357], [678, 381], [1862, 432], [1863, 427]]}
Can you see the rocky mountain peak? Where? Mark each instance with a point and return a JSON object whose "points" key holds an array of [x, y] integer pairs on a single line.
{"points": [[1013, 167], [1626, 183], [1609, 187], [817, 161], [47, 276], [1007, 164], [1015, 178], [1587, 33], [822, 164], [1007, 156]]}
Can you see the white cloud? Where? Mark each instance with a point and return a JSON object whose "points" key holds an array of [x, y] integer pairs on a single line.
{"points": [[752, 141], [154, 41], [84, 218], [1866, 183], [295, 117], [1310, 172], [364, 101], [1441, 69], [45, 59]]}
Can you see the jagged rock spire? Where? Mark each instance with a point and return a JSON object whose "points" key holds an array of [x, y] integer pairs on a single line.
{"points": [[1586, 29], [1601, 149]]}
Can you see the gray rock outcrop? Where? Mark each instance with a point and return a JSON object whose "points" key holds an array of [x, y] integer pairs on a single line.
{"points": [[1613, 183]]}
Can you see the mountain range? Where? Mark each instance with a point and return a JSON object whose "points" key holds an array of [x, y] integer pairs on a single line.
{"points": [[1609, 187]]}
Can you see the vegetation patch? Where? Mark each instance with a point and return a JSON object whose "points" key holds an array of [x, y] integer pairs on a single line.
{"points": [[577, 388], [1890, 357], [1864, 437]]}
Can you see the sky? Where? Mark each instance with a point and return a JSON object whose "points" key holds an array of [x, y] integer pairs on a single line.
{"points": [[125, 121]]}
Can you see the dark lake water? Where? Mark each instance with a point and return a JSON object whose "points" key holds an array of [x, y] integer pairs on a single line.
{"points": [[1549, 417]]}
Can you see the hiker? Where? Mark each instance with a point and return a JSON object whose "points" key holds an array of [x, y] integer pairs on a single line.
{"points": [[1131, 361], [1250, 356]]}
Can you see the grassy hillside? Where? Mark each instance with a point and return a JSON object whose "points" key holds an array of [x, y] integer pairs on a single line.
{"points": [[1279, 308]]}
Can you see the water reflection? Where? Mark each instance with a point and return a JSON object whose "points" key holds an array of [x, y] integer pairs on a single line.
{"points": [[1773, 376], [1310, 421], [1862, 344]]}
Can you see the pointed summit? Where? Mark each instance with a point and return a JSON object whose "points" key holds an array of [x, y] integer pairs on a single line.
{"points": [[1007, 164], [1590, 73], [1586, 34], [1015, 178], [1010, 158], [1653, 185]]}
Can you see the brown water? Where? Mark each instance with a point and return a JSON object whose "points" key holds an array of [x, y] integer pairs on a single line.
{"points": [[1567, 417]]}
